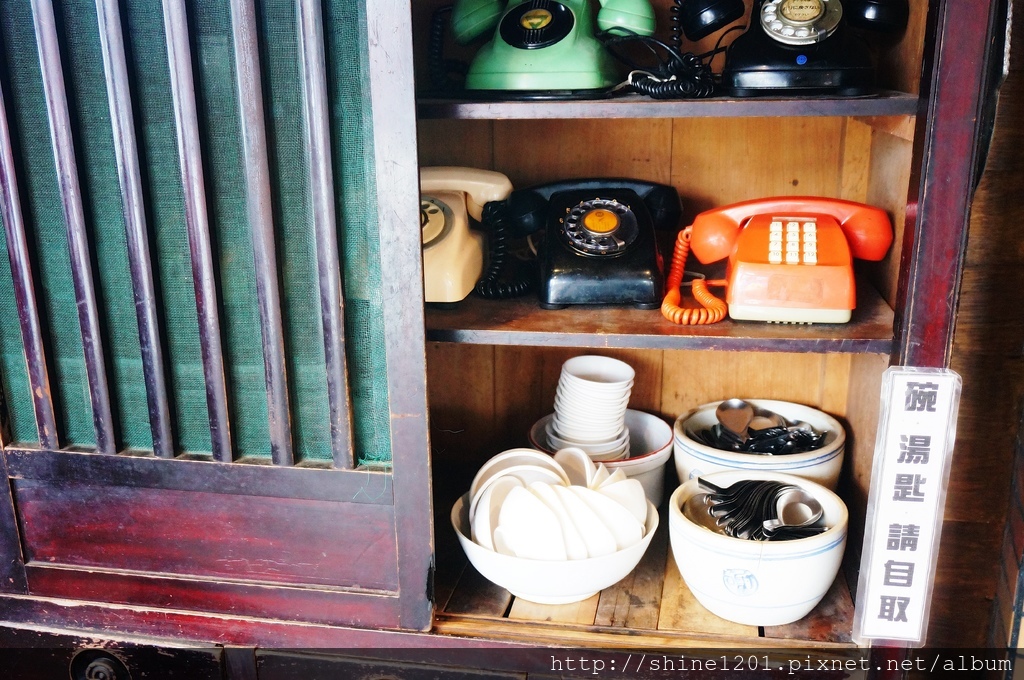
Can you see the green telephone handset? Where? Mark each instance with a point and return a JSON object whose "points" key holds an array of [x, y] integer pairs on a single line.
{"points": [[544, 45]]}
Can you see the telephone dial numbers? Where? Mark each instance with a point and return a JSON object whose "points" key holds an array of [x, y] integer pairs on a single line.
{"points": [[601, 226], [800, 22], [435, 219], [793, 242]]}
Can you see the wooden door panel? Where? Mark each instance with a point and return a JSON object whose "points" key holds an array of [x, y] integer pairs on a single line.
{"points": [[203, 534], [202, 204]]}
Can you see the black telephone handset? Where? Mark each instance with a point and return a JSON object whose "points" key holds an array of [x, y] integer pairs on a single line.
{"points": [[796, 46], [599, 245]]}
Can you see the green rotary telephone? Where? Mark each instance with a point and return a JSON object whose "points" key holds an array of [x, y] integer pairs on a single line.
{"points": [[543, 46]]}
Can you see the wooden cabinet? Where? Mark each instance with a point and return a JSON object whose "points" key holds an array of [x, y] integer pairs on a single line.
{"points": [[493, 366], [217, 391]]}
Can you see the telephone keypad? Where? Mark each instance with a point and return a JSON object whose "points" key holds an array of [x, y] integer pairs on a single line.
{"points": [[792, 242]]}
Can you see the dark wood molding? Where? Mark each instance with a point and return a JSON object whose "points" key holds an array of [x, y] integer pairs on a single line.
{"points": [[49, 654], [394, 135], [265, 601], [946, 146], [181, 626], [256, 167], [24, 289], [140, 263], [348, 486], [197, 225], [12, 560], [78, 244]]}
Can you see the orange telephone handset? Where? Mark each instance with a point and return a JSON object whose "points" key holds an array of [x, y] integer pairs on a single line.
{"points": [[790, 259]]}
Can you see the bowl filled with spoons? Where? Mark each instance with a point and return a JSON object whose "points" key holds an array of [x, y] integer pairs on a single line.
{"points": [[759, 435], [757, 548]]}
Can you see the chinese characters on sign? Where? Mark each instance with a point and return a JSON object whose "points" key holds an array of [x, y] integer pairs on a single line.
{"points": [[907, 493]]}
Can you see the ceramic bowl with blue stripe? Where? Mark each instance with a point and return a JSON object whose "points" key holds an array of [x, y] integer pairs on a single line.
{"points": [[757, 583], [694, 459]]}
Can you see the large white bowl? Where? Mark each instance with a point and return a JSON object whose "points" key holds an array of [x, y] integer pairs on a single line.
{"points": [[757, 583], [650, 445], [822, 465], [550, 581]]}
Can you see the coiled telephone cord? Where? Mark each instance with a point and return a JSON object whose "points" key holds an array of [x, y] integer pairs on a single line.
{"points": [[491, 284], [442, 70], [712, 309]]}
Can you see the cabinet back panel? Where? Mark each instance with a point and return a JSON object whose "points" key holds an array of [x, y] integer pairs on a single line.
{"points": [[712, 162], [889, 173], [204, 534], [484, 398], [534, 151], [861, 427], [720, 161]]}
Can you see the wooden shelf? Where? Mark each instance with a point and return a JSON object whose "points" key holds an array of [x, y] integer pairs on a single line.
{"points": [[887, 103], [649, 609], [522, 322]]}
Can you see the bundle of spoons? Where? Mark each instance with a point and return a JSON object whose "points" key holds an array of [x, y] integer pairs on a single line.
{"points": [[744, 427], [759, 510]]}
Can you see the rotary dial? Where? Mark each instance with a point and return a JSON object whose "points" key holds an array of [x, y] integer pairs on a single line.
{"points": [[601, 226]]}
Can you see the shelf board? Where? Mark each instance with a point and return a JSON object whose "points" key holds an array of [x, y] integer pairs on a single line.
{"points": [[886, 103], [649, 609], [522, 322]]}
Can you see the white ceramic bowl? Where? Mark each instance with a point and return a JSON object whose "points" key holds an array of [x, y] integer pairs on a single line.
{"points": [[757, 583], [515, 460], [550, 581], [609, 374], [822, 465], [650, 446], [555, 442], [589, 433]]}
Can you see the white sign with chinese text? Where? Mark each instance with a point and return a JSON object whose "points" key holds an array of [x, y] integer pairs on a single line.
{"points": [[917, 427]]}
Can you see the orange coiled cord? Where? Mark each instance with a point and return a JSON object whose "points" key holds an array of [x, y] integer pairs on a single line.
{"points": [[712, 309]]}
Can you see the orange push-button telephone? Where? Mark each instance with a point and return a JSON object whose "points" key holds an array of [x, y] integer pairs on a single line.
{"points": [[790, 259]]}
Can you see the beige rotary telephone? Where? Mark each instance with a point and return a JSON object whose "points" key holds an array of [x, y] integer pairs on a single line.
{"points": [[453, 254]]}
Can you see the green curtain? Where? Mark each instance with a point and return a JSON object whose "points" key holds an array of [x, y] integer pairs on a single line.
{"points": [[47, 237], [165, 214], [217, 100], [348, 86]]}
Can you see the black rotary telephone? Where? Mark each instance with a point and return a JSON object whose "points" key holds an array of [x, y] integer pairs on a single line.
{"points": [[796, 46], [599, 245]]}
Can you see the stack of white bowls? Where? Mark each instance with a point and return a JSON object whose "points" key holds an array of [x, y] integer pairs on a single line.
{"points": [[590, 407]]}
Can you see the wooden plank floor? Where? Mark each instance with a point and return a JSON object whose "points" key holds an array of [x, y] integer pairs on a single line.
{"points": [[650, 608]]}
